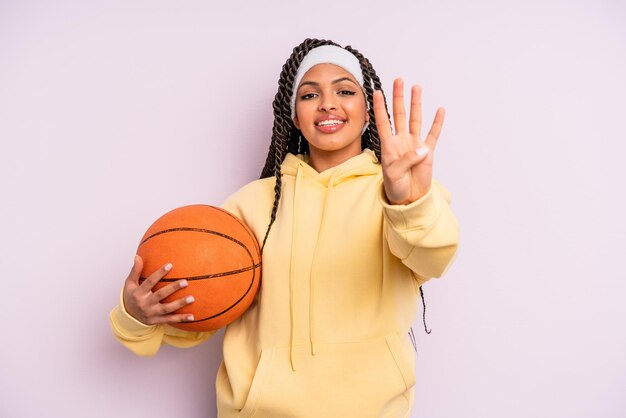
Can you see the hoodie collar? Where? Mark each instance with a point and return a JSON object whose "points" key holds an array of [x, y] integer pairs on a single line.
{"points": [[360, 165]]}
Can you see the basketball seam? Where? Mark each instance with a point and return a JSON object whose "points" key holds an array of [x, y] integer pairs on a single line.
{"points": [[207, 276], [206, 231]]}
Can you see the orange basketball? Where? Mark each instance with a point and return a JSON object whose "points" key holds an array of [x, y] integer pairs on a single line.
{"points": [[215, 252]]}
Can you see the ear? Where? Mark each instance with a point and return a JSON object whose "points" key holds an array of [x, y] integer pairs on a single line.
{"points": [[296, 122]]}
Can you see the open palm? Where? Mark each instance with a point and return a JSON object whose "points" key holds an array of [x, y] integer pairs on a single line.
{"points": [[407, 161]]}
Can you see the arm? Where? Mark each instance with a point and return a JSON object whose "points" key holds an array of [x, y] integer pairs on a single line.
{"points": [[419, 225], [145, 340], [424, 234]]}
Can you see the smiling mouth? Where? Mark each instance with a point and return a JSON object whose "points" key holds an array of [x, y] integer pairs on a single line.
{"points": [[330, 122]]}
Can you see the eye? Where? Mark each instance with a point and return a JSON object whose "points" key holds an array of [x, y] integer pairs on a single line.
{"points": [[307, 96], [346, 92]]}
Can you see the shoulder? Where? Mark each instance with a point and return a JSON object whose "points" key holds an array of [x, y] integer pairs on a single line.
{"points": [[257, 193], [253, 204], [255, 187]]}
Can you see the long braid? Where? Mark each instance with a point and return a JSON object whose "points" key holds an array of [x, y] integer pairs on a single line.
{"points": [[285, 137]]}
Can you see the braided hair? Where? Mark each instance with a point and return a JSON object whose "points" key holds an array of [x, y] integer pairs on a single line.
{"points": [[286, 138]]}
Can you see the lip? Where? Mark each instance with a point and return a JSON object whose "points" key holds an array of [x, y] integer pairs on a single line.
{"points": [[328, 129], [328, 117]]}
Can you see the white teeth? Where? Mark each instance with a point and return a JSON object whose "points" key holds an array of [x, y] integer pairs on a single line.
{"points": [[330, 122]]}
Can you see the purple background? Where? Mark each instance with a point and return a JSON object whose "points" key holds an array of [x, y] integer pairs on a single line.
{"points": [[112, 113]]}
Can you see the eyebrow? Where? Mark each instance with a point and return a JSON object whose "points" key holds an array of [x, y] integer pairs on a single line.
{"points": [[316, 84]]}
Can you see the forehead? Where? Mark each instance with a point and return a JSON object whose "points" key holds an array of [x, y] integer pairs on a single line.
{"points": [[326, 72]]}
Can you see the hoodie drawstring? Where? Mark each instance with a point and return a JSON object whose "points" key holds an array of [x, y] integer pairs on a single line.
{"points": [[361, 165], [314, 265], [292, 267]]}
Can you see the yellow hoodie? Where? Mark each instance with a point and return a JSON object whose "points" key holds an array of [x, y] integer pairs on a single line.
{"points": [[327, 334]]}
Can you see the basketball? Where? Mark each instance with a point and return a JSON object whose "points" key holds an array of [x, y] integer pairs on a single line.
{"points": [[215, 252]]}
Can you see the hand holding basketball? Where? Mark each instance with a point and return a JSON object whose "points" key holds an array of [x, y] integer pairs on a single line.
{"points": [[216, 258], [144, 304]]}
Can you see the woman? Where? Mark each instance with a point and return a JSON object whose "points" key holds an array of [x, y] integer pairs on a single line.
{"points": [[347, 243]]}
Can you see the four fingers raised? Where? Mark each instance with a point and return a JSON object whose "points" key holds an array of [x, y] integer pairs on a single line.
{"points": [[399, 115], [406, 159]]}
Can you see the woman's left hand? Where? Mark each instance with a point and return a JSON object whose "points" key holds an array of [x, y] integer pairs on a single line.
{"points": [[407, 161]]}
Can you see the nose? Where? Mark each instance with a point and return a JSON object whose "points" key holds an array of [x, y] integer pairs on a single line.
{"points": [[328, 103]]}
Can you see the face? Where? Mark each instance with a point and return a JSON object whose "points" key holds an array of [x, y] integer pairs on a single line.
{"points": [[331, 112]]}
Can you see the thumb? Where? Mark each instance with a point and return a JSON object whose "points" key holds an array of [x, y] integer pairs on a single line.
{"points": [[135, 272]]}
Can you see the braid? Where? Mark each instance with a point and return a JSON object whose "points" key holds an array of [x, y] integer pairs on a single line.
{"points": [[285, 136], [428, 331]]}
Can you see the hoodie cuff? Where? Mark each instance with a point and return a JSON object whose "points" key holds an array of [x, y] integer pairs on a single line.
{"points": [[416, 215]]}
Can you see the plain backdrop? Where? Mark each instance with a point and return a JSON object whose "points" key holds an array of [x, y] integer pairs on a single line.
{"points": [[114, 112]]}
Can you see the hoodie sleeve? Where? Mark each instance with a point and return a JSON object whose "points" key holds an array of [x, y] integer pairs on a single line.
{"points": [[423, 234], [145, 340]]}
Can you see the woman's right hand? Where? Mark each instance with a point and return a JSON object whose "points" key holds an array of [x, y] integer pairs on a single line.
{"points": [[145, 305]]}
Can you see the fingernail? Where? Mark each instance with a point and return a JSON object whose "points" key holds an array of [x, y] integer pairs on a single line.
{"points": [[189, 318], [189, 299], [421, 151], [183, 283], [168, 266]]}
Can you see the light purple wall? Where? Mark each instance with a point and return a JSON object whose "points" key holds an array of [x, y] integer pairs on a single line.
{"points": [[112, 113]]}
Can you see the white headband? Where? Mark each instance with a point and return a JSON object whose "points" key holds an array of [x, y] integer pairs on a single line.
{"points": [[326, 54]]}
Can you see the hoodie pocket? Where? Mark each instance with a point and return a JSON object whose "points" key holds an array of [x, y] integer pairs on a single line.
{"points": [[402, 359], [364, 379], [258, 383]]}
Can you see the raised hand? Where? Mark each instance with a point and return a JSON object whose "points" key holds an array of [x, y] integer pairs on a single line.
{"points": [[407, 161], [145, 305]]}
